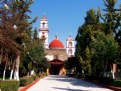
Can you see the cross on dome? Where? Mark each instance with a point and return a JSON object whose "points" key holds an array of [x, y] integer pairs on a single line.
{"points": [[56, 36]]}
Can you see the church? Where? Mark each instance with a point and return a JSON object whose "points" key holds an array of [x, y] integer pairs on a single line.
{"points": [[55, 50]]}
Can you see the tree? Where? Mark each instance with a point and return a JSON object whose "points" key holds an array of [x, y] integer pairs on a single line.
{"points": [[105, 53], [7, 35], [112, 21], [70, 63], [112, 17], [86, 34], [35, 60], [16, 15], [20, 10]]}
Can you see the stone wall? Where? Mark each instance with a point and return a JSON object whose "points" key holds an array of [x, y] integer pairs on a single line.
{"points": [[56, 54]]}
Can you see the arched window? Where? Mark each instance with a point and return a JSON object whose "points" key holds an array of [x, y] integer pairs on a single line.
{"points": [[43, 32], [43, 25], [70, 51], [43, 36], [70, 44]]}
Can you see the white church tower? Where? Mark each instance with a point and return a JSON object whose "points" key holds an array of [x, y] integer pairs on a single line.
{"points": [[70, 48], [44, 30]]}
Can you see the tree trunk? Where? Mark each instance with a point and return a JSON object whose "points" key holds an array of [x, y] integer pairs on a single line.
{"points": [[11, 74], [1, 55], [4, 74], [114, 71], [5, 59], [17, 61], [32, 72]]}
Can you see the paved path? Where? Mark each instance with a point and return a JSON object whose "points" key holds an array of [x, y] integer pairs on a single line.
{"points": [[63, 83]]}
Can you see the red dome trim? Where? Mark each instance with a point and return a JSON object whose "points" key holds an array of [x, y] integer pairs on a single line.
{"points": [[56, 44]]}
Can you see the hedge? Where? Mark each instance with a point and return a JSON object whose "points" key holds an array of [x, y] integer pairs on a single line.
{"points": [[117, 83], [26, 80], [42, 75], [9, 85]]}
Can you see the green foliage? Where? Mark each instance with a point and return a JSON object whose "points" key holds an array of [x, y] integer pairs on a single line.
{"points": [[117, 83], [70, 63], [105, 51], [98, 39], [34, 77], [86, 65], [22, 70], [105, 80], [9, 85], [36, 54], [20, 38], [30, 65], [35, 57], [112, 17], [86, 34], [26, 80]]}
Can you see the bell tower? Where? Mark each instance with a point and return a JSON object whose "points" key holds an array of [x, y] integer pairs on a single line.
{"points": [[44, 30], [70, 48]]}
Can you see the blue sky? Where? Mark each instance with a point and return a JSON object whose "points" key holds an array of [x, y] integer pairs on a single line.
{"points": [[64, 16]]}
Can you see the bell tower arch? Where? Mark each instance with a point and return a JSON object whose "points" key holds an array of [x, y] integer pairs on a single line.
{"points": [[70, 48]]}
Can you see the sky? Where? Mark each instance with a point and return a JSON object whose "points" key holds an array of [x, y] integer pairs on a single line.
{"points": [[64, 16]]}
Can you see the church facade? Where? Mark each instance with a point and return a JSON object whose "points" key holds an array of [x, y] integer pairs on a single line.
{"points": [[56, 52]]}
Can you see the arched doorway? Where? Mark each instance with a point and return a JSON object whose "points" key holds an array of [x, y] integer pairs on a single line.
{"points": [[56, 66]]}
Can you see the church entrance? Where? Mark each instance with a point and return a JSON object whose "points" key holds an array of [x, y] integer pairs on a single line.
{"points": [[56, 66]]}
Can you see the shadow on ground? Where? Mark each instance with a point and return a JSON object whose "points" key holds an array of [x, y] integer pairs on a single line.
{"points": [[68, 89], [73, 81]]}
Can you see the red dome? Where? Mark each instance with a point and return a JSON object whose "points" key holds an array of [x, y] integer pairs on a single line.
{"points": [[56, 44]]}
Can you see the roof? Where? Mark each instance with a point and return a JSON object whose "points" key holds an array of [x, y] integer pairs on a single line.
{"points": [[44, 18], [70, 39], [56, 62], [56, 44]]}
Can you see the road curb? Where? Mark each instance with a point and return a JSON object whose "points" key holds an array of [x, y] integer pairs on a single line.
{"points": [[106, 86], [28, 86]]}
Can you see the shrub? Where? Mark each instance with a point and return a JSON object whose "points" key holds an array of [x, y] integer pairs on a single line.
{"points": [[42, 75], [34, 77], [91, 77], [9, 85], [117, 83], [26, 80], [105, 80]]}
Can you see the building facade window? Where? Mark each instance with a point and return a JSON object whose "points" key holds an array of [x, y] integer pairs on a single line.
{"points": [[43, 24], [70, 44]]}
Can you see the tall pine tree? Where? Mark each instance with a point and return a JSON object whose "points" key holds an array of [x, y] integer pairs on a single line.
{"points": [[84, 37]]}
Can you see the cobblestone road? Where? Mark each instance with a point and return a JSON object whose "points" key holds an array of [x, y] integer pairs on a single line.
{"points": [[63, 83]]}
